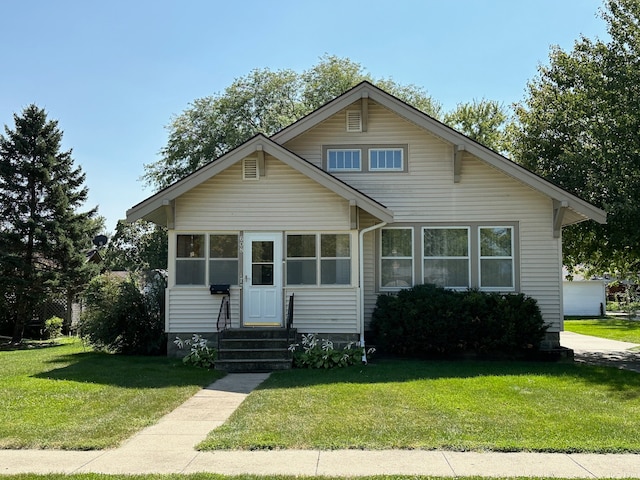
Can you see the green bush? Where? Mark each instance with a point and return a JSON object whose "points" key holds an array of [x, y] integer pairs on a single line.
{"points": [[427, 320], [53, 327], [121, 317]]}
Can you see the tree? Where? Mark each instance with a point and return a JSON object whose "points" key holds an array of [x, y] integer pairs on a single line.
{"points": [[579, 128], [136, 247], [484, 121], [262, 102], [43, 237]]}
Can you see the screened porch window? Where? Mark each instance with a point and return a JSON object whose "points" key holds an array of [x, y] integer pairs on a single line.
{"points": [[496, 258], [446, 256], [314, 259], [223, 259], [301, 260], [190, 260], [396, 263]]}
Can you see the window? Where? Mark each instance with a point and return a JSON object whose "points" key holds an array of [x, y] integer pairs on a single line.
{"points": [[496, 258], [446, 256], [386, 159], [343, 160], [326, 254], [335, 259], [396, 263], [301, 260], [223, 259], [190, 261]]}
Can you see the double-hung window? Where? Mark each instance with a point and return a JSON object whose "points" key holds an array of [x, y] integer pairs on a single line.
{"points": [[446, 256], [314, 259], [190, 260], [396, 262], [496, 258], [223, 259]]}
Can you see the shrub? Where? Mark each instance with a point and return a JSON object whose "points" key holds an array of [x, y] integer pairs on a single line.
{"points": [[427, 320], [53, 327], [320, 353], [120, 317], [200, 355]]}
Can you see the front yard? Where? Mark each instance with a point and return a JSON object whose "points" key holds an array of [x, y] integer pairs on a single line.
{"points": [[614, 328], [69, 397]]}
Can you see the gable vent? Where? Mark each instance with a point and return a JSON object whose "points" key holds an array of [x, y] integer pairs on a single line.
{"points": [[250, 169], [354, 121]]}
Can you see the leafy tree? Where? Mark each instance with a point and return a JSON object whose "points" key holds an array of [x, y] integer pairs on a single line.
{"points": [[262, 102], [579, 128], [484, 121], [43, 237], [137, 247]]}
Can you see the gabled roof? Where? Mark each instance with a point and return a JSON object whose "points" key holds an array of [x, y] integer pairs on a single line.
{"points": [[579, 210], [154, 207]]}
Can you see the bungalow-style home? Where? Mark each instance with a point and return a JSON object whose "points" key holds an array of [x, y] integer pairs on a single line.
{"points": [[364, 196]]}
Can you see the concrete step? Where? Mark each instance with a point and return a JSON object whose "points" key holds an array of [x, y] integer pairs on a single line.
{"points": [[253, 366]]}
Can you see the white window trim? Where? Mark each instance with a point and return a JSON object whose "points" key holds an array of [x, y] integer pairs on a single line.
{"points": [[468, 257], [412, 258], [512, 288], [330, 150], [318, 261], [385, 169]]}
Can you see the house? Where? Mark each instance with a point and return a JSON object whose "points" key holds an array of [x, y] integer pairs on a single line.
{"points": [[583, 296], [364, 196]]}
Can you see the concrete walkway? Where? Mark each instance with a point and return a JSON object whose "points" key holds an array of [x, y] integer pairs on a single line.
{"points": [[168, 447]]}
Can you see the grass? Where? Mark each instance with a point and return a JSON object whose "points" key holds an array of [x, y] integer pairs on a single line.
{"points": [[213, 476], [613, 328], [68, 397], [458, 405]]}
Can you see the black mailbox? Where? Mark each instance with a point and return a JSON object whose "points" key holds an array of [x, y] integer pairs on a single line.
{"points": [[220, 289]]}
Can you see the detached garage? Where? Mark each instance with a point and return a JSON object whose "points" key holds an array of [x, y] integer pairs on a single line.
{"points": [[584, 297]]}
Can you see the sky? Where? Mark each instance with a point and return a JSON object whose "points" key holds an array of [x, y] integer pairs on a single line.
{"points": [[114, 73]]}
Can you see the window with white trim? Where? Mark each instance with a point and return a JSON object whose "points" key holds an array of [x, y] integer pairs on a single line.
{"points": [[223, 259], [446, 252], [396, 258], [335, 259], [388, 159], [190, 260], [318, 259], [344, 160], [301, 260], [496, 260]]}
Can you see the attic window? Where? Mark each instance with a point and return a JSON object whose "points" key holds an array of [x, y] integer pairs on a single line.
{"points": [[250, 169], [354, 121]]}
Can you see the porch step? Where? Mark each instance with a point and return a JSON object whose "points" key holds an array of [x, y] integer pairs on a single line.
{"points": [[254, 350]]}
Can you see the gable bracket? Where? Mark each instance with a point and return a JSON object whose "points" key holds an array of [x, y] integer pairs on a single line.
{"points": [[364, 107], [169, 211], [457, 162], [558, 214], [260, 152], [353, 215]]}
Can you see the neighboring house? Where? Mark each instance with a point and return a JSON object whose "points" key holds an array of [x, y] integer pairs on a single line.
{"points": [[364, 196], [583, 296]]}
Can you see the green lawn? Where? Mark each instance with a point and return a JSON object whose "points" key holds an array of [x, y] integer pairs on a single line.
{"points": [[614, 328], [70, 397], [459, 405]]}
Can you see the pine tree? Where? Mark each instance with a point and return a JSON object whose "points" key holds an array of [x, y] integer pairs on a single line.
{"points": [[43, 238]]}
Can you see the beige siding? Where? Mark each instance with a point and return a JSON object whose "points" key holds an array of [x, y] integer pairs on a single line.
{"points": [[283, 199], [427, 193], [325, 310], [194, 309]]}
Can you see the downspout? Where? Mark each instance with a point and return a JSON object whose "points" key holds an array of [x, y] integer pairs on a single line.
{"points": [[361, 280]]}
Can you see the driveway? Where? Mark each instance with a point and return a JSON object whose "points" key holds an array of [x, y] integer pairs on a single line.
{"points": [[601, 351]]}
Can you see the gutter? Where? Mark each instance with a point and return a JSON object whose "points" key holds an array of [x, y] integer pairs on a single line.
{"points": [[361, 281]]}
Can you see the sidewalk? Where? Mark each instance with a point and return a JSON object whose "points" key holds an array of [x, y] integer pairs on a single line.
{"points": [[168, 447]]}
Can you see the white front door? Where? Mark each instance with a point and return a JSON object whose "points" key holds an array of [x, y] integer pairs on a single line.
{"points": [[262, 280]]}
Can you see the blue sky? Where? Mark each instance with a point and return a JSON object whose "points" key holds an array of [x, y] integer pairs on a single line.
{"points": [[114, 73]]}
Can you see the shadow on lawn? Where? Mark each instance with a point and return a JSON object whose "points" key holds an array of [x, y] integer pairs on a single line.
{"points": [[400, 370], [126, 371]]}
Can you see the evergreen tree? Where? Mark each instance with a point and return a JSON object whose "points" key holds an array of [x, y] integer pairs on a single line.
{"points": [[43, 238]]}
